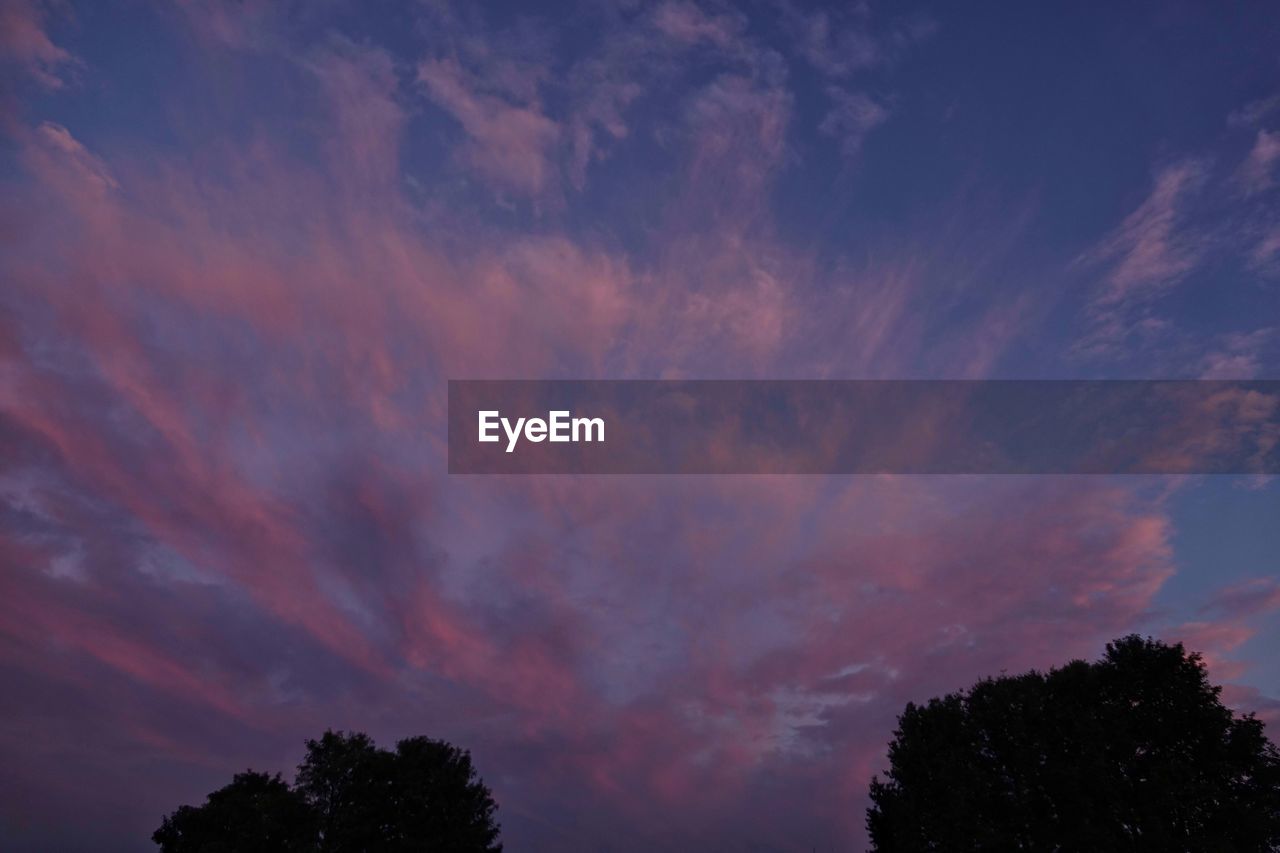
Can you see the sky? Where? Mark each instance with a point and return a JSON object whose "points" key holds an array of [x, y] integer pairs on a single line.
{"points": [[245, 245]]}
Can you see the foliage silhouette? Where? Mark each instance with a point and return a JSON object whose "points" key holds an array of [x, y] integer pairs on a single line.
{"points": [[256, 812], [1134, 752], [349, 797]]}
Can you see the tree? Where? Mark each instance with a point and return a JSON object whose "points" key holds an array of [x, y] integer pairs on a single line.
{"points": [[347, 781], [367, 798], [349, 797], [1133, 752], [256, 812], [428, 772]]}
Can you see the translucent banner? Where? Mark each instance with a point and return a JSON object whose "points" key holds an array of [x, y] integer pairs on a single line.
{"points": [[864, 427]]}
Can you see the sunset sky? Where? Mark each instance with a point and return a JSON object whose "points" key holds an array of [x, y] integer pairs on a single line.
{"points": [[244, 245]]}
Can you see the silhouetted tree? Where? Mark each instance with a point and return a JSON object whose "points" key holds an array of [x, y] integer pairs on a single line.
{"points": [[367, 798], [347, 781], [1133, 752], [349, 797], [428, 772], [256, 812]]}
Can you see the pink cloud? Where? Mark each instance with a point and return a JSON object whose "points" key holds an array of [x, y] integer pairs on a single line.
{"points": [[1254, 174], [1145, 250], [25, 43], [510, 144], [1266, 250], [853, 115], [1239, 356], [1145, 256], [360, 85], [688, 24], [1246, 599]]}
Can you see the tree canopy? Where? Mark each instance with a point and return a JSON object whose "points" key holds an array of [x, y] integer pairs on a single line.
{"points": [[1132, 752], [349, 797]]}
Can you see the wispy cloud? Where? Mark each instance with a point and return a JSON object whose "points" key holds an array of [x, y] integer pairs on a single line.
{"points": [[840, 43], [687, 23], [510, 144], [1195, 217], [853, 115], [1240, 355], [1148, 252], [25, 42], [1254, 175], [1151, 250]]}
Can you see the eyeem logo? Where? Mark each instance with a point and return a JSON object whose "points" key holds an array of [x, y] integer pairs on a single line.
{"points": [[560, 426]]}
